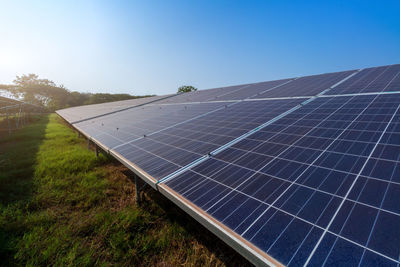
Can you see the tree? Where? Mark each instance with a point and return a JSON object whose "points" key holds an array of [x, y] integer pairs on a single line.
{"points": [[41, 92], [186, 89], [48, 94]]}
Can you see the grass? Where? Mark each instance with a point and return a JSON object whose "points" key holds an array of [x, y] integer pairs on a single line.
{"points": [[11, 121], [62, 205]]}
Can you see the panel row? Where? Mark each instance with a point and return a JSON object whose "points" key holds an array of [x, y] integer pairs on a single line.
{"points": [[314, 186], [122, 127], [307, 86], [163, 152], [378, 79], [371, 80], [75, 114]]}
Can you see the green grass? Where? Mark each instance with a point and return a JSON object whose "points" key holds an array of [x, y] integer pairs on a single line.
{"points": [[62, 205], [11, 121]]}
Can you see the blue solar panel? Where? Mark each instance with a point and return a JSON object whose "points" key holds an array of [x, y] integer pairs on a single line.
{"points": [[280, 188], [282, 176], [253, 90], [237, 92], [378, 79], [80, 113], [203, 95], [306, 86], [168, 150], [118, 128]]}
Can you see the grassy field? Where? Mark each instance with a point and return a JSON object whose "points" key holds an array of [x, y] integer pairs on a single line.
{"points": [[61, 205], [11, 122]]}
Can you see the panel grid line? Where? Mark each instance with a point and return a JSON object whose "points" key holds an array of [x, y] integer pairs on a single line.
{"points": [[379, 210], [171, 176], [304, 170], [344, 199], [348, 192], [174, 125], [292, 215]]}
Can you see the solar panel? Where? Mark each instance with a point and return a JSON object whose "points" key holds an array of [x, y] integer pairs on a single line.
{"points": [[4, 101], [75, 114], [378, 79], [168, 150], [237, 92], [301, 171], [253, 90], [124, 126], [281, 187], [204, 95], [306, 86]]}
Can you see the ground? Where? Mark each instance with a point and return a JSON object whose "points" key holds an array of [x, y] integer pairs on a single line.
{"points": [[62, 205]]}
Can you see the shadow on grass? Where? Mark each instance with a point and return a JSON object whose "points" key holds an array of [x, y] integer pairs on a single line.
{"points": [[17, 161], [176, 215]]}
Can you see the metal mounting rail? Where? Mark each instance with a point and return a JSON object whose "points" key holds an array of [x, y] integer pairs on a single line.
{"points": [[361, 94], [340, 82]]}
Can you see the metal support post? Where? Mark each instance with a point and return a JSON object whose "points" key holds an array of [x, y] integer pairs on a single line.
{"points": [[15, 120], [137, 190], [23, 116], [8, 122], [19, 116], [88, 144], [97, 150]]}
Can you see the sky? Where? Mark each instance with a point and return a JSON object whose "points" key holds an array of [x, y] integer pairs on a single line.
{"points": [[153, 47]]}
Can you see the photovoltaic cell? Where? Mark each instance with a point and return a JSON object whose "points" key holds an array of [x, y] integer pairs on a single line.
{"points": [[204, 95], [378, 79], [370, 216], [252, 90], [85, 112], [306, 86], [317, 186], [122, 127], [180, 145], [280, 188]]}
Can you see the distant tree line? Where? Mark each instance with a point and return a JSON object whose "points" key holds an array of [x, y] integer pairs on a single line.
{"points": [[46, 93]]}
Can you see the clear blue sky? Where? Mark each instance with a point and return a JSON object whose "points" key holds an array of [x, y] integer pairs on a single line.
{"points": [[152, 47]]}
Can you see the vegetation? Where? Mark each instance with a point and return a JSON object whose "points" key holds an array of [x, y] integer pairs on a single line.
{"points": [[186, 89], [62, 205], [14, 121], [48, 94]]}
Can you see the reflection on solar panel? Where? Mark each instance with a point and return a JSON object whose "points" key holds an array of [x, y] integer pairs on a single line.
{"points": [[238, 92], [170, 149], [76, 114], [298, 169], [307, 86], [121, 127], [203, 95], [294, 172], [254, 90], [381, 79]]}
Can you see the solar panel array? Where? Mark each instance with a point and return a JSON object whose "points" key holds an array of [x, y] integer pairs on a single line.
{"points": [[301, 171], [76, 114]]}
